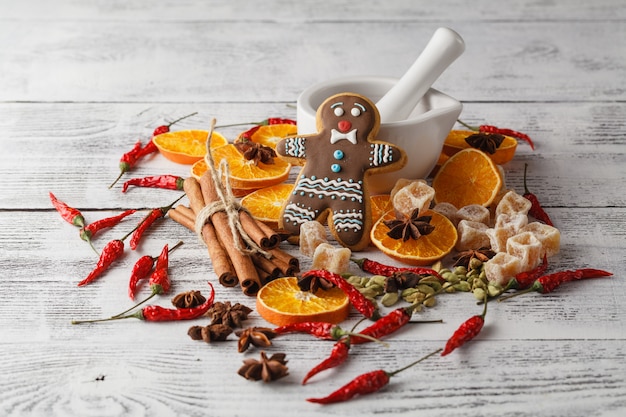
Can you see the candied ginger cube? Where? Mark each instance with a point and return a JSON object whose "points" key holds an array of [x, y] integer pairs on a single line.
{"points": [[498, 237], [474, 213], [527, 248], [416, 195], [501, 268], [312, 234], [549, 236], [401, 183], [448, 210], [472, 235], [512, 203], [332, 259], [515, 221]]}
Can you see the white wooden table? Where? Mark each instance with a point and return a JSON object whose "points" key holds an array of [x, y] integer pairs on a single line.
{"points": [[80, 82]]}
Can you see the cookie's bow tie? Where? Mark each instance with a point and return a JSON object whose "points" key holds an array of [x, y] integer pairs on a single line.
{"points": [[335, 136]]}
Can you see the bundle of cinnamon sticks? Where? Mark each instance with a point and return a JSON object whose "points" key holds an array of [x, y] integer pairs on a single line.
{"points": [[232, 265]]}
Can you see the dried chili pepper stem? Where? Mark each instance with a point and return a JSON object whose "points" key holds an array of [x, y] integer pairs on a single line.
{"points": [[158, 313], [366, 383]]}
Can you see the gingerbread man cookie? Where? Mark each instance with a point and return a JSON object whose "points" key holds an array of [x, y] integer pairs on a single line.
{"points": [[337, 163]]}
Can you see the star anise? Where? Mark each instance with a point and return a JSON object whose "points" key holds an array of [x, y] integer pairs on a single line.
{"points": [[228, 314], [401, 280], [409, 228], [312, 283], [256, 152], [189, 299], [486, 142], [257, 336], [210, 333], [266, 369], [464, 258]]}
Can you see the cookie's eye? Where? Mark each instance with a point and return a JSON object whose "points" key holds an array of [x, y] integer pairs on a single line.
{"points": [[356, 112], [338, 111]]}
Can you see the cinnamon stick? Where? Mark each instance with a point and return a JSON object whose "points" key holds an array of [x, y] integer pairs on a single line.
{"points": [[242, 263], [222, 264], [266, 265], [181, 218], [256, 232]]}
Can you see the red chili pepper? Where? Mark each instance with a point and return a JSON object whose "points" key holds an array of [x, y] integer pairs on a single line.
{"points": [[364, 384], [385, 325], [466, 332], [358, 300], [141, 270], [158, 313], [127, 161], [69, 214], [548, 283], [166, 128], [167, 182], [319, 329], [377, 268], [90, 230], [526, 279], [338, 355], [270, 121], [147, 221], [110, 253], [535, 209], [159, 280], [497, 130]]}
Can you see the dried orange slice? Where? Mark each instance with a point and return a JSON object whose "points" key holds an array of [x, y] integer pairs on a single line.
{"points": [[380, 204], [270, 135], [266, 203], [186, 146], [455, 142], [245, 174], [426, 250], [468, 177], [282, 302]]}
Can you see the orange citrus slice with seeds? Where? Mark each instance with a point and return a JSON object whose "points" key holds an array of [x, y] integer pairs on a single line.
{"points": [[455, 142], [266, 203], [245, 174], [426, 250], [186, 146], [380, 204], [281, 302], [467, 177], [270, 135]]}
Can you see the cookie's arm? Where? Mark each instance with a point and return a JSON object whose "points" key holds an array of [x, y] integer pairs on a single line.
{"points": [[383, 154], [294, 147]]}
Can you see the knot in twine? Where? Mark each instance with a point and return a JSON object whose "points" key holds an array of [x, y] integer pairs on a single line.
{"points": [[226, 203]]}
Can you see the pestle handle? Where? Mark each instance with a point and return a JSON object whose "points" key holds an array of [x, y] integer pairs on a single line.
{"points": [[444, 47]]}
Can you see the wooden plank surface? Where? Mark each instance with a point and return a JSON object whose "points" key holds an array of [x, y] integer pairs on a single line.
{"points": [[80, 82]]}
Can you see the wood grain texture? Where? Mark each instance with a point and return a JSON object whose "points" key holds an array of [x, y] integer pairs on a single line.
{"points": [[81, 82]]}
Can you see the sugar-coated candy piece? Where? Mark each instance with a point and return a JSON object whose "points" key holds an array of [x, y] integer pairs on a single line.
{"points": [[512, 203], [474, 213], [501, 268], [472, 235], [312, 234], [527, 248], [401, 183], [515, 221], [416, 195], [448, 210], [498, 237], [332, 259], [549, 236]]}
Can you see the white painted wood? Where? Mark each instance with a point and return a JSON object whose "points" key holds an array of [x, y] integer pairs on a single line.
{"points": [[80, 82]]}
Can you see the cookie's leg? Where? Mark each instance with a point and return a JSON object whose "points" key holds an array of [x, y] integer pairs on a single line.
{"points": [[349, 226]]}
